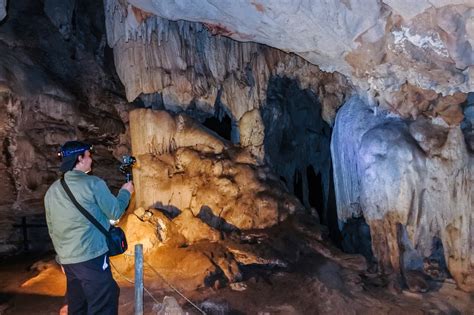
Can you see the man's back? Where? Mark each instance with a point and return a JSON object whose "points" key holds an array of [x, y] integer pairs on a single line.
{"points": [[75, 239]]}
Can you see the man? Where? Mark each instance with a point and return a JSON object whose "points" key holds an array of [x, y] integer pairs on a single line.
{"points": [[80, 246]]}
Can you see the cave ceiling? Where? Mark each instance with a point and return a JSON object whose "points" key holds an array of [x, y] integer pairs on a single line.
{"points": [[382, 48], [329, 34], [378, 45]]}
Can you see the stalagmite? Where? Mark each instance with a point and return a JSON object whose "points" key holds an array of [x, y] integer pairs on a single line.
{"points": [[191, 188], [413, 183]]}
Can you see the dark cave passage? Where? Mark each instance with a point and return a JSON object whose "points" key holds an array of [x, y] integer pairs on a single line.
{"points": [[315, 189], [221, 126], [298, 186], [297, 146], [356, 238], [30, 234]]}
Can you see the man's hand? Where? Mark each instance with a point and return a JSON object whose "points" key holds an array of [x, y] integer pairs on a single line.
{"points": [[128, 186]]}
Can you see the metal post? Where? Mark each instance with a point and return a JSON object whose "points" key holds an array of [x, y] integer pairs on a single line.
{"points": [[138, 279]]}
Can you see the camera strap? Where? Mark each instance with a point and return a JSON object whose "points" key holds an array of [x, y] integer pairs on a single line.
{"points": [[86, 213]]}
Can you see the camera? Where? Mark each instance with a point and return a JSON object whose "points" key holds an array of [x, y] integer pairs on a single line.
{"points": [[126, 167]]}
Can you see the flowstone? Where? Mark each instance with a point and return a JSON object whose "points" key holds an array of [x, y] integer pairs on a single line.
{"points": [[184, 166], [413, 182], [192, 190]]}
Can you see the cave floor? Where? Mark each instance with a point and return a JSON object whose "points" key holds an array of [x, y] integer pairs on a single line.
{"points": [[34, 284]]}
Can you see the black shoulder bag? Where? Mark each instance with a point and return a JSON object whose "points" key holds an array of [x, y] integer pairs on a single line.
{"points": [[115, 237]]}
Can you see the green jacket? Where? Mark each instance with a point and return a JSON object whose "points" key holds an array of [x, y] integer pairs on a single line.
{"points": [[75, 238]]}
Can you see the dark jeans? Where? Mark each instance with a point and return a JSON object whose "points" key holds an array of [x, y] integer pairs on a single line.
{"points": [[91, 289]]}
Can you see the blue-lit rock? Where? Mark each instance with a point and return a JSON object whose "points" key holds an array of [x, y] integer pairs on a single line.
{"points": [[413, 181], [3, 9]]}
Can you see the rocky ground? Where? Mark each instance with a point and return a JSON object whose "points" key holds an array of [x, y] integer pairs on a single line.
{"points": [[300, 276]]}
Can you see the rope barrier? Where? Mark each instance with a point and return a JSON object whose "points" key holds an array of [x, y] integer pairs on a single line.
{"points": [[163, 279], [132, 282]]}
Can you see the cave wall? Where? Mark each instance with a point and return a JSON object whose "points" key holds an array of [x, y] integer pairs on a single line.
{"points": [[187, 67], [55, 85], [412, 181]]}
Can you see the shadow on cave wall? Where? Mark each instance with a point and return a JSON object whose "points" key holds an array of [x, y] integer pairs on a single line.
{"points": [[205, 215], [297, 146]]}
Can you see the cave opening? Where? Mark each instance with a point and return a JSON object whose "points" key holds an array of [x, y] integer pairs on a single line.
{"points": [[316, 196], [356, 238], [221, 125], [298, 186], [297, 146], [221, 121]]}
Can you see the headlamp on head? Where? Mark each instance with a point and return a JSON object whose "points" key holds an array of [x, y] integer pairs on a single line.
{"points": [[76, 149]]}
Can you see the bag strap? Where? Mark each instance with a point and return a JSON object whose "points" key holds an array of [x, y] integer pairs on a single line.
{"points": [[82, 210]]}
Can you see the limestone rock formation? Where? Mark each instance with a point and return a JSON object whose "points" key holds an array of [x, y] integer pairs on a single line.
{"points": [[200, 197], [51, 91], [182, 67], [181, 165], [413, 183], [206, 208], [378, 45], [192, 69]]}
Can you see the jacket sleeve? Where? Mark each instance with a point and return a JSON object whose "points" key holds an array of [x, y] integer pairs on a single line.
{"points": [[113, 207]]}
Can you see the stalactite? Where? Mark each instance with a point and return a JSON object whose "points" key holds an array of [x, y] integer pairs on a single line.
{"points": [[194, 65]]}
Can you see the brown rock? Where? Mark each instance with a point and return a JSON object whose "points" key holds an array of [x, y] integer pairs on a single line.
{"points": [[193, 229], [416, 281], [183, 166]]}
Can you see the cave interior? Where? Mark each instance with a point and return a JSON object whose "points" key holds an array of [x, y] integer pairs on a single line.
{"points": [[292, 157]]}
